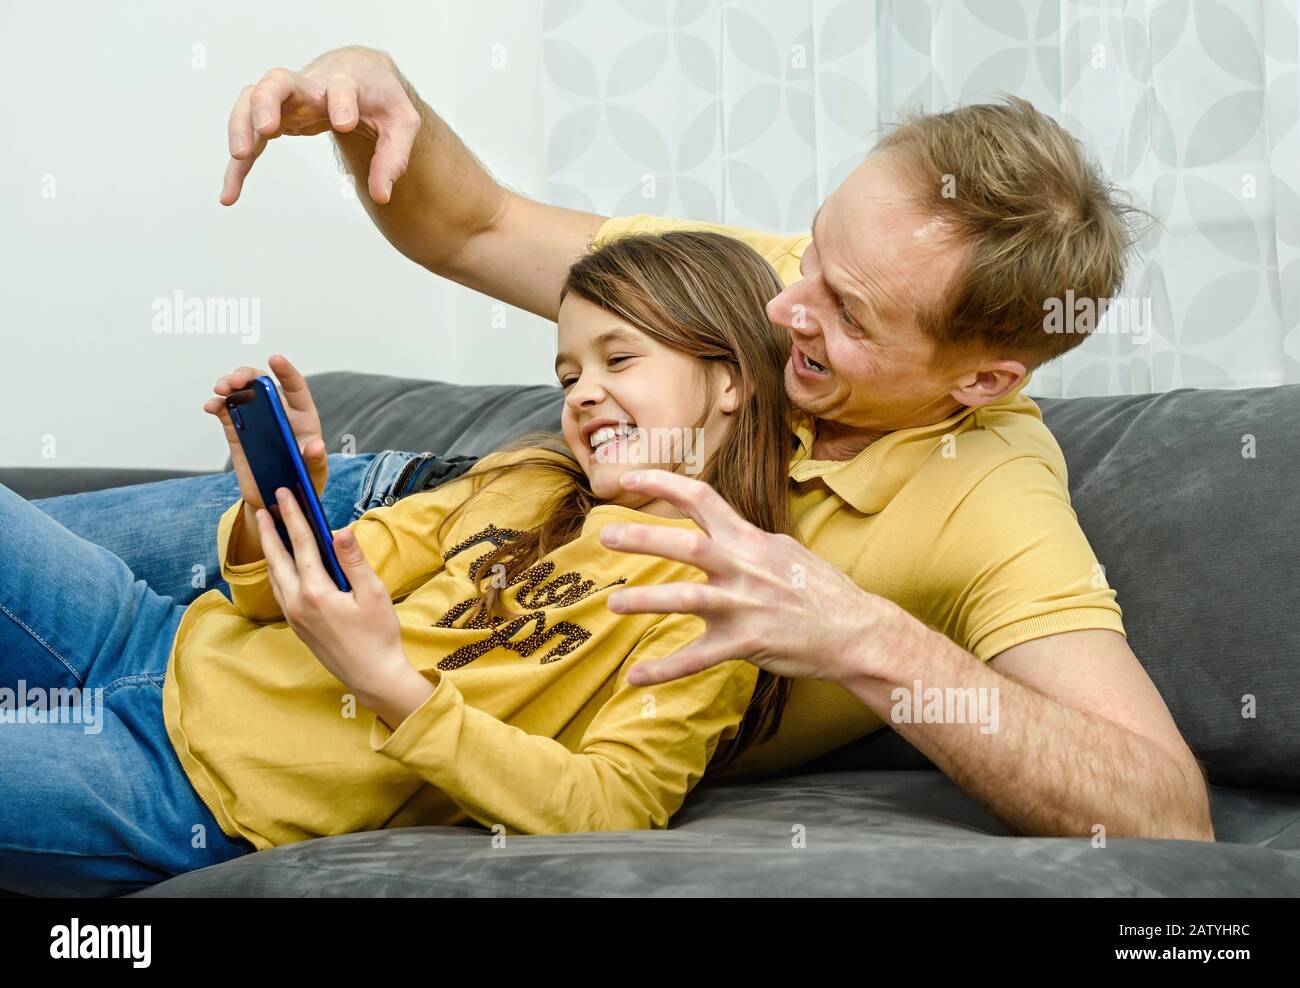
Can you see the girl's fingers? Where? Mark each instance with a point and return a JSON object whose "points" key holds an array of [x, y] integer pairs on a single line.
{"points": [[305, 553], [228, 384], [313, 452], [292, 382], [278, 561], [364, 580]]}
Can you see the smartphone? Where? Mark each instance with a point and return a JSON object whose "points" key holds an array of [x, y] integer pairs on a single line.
{"points": [[272, 452]]}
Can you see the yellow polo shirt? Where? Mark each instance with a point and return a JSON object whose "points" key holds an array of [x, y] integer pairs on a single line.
{"points": [[966, 524]]}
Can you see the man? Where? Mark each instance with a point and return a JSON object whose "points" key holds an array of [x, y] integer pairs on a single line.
{"points": [[944, 553]]}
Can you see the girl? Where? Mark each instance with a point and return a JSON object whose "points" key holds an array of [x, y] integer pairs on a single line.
{"points": [[473, 673]]}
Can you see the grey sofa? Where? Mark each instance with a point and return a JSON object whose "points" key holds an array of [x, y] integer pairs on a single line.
{"points": [[1200, 542]]}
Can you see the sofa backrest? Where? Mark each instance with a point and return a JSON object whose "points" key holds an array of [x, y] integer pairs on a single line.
{"points": [[1190, 499]]}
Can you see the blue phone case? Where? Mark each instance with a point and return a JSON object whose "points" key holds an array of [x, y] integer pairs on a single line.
{"points": [[272, 453]]}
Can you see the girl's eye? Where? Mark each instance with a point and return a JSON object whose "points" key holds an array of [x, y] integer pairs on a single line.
{"points": [[572, 379]]}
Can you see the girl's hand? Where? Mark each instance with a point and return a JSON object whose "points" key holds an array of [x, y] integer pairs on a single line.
{"points": [[356, 636], [299, 408]]}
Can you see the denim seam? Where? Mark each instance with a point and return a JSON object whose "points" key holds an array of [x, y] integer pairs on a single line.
{"points": [[44, 644], [140, 679], [367, 484], [61, 852]]}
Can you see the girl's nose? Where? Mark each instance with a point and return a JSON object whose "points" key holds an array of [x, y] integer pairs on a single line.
{"points": [[585, 392]]}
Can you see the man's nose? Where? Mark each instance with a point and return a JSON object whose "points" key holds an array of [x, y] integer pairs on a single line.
{"points": [[792, 310]]}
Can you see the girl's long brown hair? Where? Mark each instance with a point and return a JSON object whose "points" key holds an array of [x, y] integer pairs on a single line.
{"points": [[704, 295]]}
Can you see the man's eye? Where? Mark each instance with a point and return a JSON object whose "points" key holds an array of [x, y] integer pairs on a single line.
{"points": [[844, 314], [567, 382]]}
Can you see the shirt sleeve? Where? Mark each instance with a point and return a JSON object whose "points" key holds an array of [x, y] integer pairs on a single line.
{"points": [[396, 540], [640, 756], [1011, 564], [781, 250], [399, 540]]}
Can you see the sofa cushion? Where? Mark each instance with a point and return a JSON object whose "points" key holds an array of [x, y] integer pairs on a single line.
{"points": [[863, 834]]}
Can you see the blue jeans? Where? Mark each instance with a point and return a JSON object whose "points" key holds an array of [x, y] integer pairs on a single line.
{"points": [[93, 800], [166, 532]]}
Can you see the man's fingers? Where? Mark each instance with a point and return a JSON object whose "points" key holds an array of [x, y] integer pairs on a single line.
{"points": [[258, 116], [239, 128], [668, 598], [232, 183], [692, 497], [392, 152], [699, 655], [246, 145], [268, 97], [682, 544], [341, 101]]}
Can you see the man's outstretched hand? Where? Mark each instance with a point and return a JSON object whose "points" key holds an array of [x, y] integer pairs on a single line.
{"points": [[351, 89], [768, 599]]}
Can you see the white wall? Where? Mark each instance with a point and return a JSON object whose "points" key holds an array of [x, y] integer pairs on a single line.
{"points": [[103, 99]]}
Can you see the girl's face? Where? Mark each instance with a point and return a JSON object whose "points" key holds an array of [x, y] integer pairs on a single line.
{"points": [[632, 402]]}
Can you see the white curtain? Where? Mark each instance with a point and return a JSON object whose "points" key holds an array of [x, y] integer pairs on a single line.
{"points": [[751, 112]]}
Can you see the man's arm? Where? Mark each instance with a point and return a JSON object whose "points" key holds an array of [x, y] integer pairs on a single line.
{"points": [[1083, 738], [424, 190]]}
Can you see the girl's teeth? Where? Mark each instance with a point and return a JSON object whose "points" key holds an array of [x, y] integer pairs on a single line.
{"points": [[606, 433]]}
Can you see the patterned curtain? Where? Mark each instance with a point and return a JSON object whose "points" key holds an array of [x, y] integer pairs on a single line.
{"points": [[750, 112]]}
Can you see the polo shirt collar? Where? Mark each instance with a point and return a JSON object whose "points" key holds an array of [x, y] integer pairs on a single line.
{"points": [[870, 480]]}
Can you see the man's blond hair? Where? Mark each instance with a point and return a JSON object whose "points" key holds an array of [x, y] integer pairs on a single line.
{"points": [[1036, 215]]}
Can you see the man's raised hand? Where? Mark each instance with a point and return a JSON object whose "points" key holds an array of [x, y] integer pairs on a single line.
{"points": [[351, 89]]}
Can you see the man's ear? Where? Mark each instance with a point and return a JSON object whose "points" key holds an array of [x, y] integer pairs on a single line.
{"points": [[989, 382]]}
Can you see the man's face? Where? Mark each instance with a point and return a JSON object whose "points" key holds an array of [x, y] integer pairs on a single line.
{"points": [[860, 359]]}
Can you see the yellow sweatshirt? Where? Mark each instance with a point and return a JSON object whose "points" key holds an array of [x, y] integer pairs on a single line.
{"points": [[531, 726]]}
